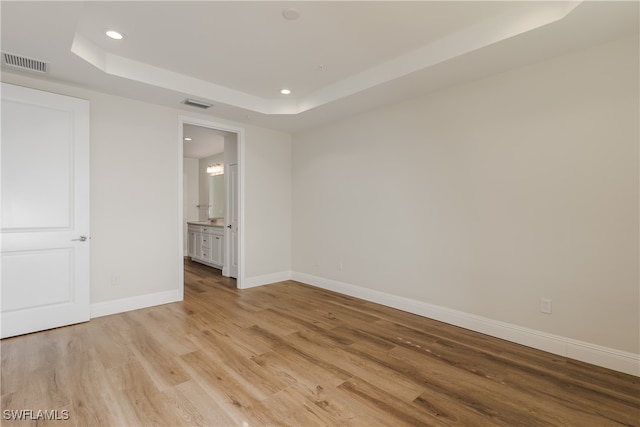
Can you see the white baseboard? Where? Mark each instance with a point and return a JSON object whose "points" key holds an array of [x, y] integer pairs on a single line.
{"points": [[252, 282], [134, 303], [617, 360]]}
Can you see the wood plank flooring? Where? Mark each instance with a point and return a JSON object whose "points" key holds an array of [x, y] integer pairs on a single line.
{"points": [[293, 355]]}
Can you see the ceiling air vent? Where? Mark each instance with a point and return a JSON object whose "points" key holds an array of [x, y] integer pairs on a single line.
{"points": [[198, 104], [24, 63]]}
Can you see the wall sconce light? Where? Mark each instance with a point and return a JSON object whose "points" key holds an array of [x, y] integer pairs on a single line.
{"points": [[217, 169]]}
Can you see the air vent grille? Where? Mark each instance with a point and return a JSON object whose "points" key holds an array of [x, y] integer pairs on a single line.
{"points": [[198, 104], [25, 63]]}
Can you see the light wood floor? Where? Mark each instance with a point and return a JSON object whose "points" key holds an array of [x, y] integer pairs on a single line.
{"points": [[290, 354]]}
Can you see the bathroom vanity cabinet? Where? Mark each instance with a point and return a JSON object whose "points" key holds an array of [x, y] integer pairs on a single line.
{"points": [[206, 243]]}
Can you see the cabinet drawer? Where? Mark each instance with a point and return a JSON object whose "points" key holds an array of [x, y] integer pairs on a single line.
{"points": [[206, 241], [216, 231]]}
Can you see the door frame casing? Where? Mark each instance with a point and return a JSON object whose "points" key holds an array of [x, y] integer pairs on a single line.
{"points": [[186, 120]]}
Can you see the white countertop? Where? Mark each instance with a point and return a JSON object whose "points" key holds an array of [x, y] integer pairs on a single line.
{"points": [[207, 223]]}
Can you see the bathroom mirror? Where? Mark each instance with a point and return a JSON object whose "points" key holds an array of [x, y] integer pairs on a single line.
{"points": [[216, 196]]}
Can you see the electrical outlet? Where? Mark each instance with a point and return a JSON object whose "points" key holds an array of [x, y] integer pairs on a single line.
{"points": [[115, 280], [545, 305]]}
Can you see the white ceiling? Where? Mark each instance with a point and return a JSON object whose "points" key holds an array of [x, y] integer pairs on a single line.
{"points": [[338, 58]]}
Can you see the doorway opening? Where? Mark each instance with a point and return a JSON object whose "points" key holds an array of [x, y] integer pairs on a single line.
{"points": [[211, 197]]}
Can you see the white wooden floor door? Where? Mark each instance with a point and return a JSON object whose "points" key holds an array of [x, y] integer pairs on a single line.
{"points": [[232, 213], [45, 210]]}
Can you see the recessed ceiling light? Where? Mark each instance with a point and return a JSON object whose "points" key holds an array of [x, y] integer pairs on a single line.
{"points": [[187, 138], [290, 14], [285, 91], [116, 35]]}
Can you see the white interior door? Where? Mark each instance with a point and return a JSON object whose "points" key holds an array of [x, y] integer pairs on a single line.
{"points": [[232, 222], [45, 210]]}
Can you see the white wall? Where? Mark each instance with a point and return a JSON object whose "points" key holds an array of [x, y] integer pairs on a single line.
{"points": [[230, 149], [485, 197], [190, 193], [268, 206], [134, 197], [191, 170]]}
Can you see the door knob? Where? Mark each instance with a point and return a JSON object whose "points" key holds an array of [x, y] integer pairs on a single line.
{"points": [[229, 226], [81, 238]]}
